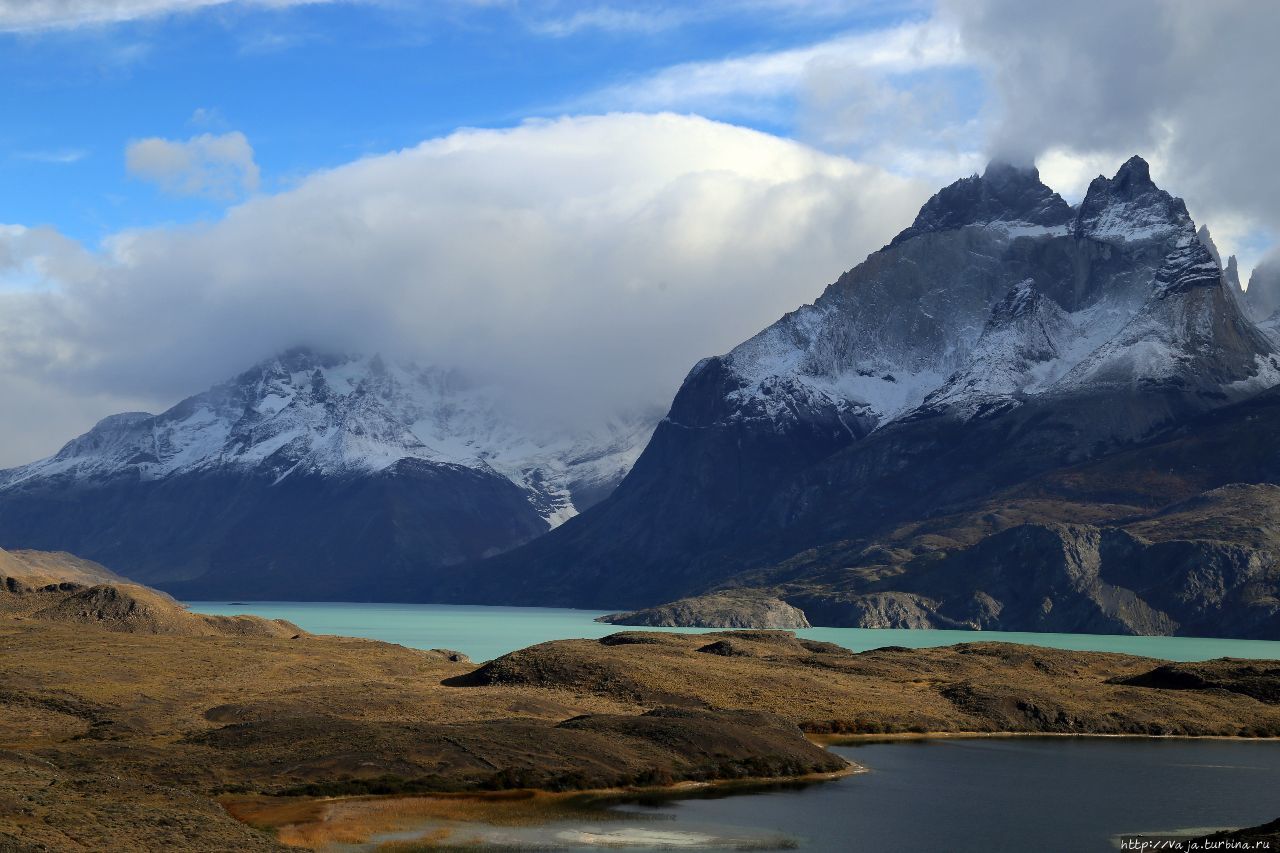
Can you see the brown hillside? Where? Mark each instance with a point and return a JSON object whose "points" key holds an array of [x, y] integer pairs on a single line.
{"points": [[127, 608], [40, 568]]}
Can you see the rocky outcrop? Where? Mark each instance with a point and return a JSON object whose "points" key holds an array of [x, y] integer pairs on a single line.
{"points": [[972, 687], [1004, 193], [716, 610]]}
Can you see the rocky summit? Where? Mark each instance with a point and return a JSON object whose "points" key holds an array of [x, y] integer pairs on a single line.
{"points": [[1019, 414]]}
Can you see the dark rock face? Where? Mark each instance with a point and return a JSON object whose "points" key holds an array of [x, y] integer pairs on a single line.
{"points": [[1259, 681], [1112, 203], [198, 536], [1069, 578]]}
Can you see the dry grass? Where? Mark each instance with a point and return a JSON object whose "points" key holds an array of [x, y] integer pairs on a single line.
{"points": [[147, 730]]}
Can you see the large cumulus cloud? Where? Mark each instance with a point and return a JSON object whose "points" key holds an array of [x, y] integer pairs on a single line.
{"points": [[585, 262]]}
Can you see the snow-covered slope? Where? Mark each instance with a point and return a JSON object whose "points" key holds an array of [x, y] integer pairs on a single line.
{"points": [[304, 412], [1001, 291]]}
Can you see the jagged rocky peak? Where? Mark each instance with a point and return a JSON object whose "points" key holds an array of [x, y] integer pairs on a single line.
{"points": [[1206, 240], [1002, 193], [1232, 274], [1026, 335], [1013, 294], [1231, 269], [1130, 207], [1002, 335], [1263, 295]]}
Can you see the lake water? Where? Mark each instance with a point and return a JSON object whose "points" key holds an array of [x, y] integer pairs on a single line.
{"points": [[1002, 794], [484, 633], [980, 795]]}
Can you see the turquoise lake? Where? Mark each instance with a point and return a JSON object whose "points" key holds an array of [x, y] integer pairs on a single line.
{"points": [[484, 633]]}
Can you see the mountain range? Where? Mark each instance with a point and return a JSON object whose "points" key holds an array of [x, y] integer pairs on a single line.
{"points": [[1020, 414], [313, 476]]}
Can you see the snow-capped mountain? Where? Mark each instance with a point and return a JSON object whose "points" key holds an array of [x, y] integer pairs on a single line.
{"points": [[999, 291], [316, 476], [1004, 332], [311, 413]]}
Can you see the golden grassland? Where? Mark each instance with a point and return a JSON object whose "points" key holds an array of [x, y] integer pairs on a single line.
{"points": [[135, 740]]}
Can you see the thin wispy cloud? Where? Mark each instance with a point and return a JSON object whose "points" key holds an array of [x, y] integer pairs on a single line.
{"points": [[59, 156], [886, 96], [558, 19], [34, 15], [747, 84], [611, 19]]}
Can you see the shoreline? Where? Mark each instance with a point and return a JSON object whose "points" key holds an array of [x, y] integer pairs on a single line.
{"points": [[308, 822], [828, 740]]}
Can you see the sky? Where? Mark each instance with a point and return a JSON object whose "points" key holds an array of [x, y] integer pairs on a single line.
{"points": [[576, 199]]}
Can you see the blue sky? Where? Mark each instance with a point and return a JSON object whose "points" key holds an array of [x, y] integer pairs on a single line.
{"points": [[315, 86], [579, 198]]}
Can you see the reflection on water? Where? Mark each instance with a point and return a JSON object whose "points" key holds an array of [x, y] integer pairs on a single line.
{"points": [[982, 795]]}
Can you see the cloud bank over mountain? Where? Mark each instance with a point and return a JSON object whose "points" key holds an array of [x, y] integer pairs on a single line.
{"points": [[1182, 82], [587, 262]]}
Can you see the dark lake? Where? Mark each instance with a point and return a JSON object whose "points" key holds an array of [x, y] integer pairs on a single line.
{"points": [[1007, 794]]}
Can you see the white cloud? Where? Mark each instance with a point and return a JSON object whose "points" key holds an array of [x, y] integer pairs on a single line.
{"points": [[216, 166], [611, 19], [30, 15], [750, 84], [558, 18], [886, 96], [588, 261]]}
